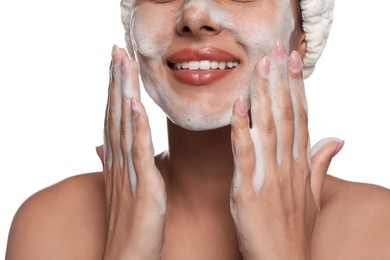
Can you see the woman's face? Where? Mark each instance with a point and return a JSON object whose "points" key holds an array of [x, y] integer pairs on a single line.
{"points": [[197, 57]]}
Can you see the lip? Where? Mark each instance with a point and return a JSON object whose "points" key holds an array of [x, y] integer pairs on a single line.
{"points": [[200, 77]]}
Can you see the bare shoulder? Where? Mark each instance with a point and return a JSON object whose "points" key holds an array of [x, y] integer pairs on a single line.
{"points": [[63, 221], [353, 221]]}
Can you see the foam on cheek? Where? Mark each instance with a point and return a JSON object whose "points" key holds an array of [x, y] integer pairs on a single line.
{"points": [[259, 36], [148, 35], [150, 40]]}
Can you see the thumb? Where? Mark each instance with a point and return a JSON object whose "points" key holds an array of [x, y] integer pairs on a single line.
{"points": [[100, 153], [321, 156]]}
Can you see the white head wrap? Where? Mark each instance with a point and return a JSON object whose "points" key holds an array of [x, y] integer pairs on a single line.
{"points": [[126, 8], [317, 18]]}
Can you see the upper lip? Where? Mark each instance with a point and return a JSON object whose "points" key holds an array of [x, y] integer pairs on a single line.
{"points": [[209, 53]]}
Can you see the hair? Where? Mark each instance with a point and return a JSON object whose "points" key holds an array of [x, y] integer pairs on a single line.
{"points": [[299, 16]]}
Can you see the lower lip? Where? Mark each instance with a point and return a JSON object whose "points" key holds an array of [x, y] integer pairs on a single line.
{"points": [[199, 77]]}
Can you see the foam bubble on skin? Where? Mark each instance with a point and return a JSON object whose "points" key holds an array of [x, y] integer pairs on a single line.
{"points": [[117, 74], [127, 93], [236, 181], [147, 34], [258, 175], [207, 6], [275, 72], [131, 172], [299, 84]]}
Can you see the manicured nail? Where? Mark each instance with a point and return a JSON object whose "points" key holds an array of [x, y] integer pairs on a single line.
{"points": [[338, 148], [115, 54], [295, 62], [241, 106], [135, 107], [264, 67], [280, 50]]}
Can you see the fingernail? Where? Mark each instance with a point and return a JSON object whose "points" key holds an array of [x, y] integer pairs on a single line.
{"points": [[241, 106], [115, 54], [264, 67], [338, 148], [135, 107], [279, 49], [295, 62]]}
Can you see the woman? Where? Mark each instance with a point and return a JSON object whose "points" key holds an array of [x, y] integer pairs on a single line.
{"points": [[248, 190]]}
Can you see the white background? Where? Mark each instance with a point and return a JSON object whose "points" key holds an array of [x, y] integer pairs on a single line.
{"points": [[54, 59]]}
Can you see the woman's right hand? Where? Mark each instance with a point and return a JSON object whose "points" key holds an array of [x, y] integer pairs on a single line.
{"points": [[135, 191]]}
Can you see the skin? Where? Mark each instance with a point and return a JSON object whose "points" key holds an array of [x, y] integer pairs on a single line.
{"points": [[202, 199]]}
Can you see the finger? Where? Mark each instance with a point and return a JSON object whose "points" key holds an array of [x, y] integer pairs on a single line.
{"points": [[114, 110], [322, 154], [130, 73], [129, 88], [142, 149], [107, 165], [242, 145], [106, 141], [301, 145], [264, 127], [282, 106], [113, 169]]}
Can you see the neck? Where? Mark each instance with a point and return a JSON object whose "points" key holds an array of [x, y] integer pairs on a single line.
{"points": [[200, 165]]}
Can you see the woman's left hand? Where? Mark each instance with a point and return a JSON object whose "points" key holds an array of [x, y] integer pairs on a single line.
{"points": [[277, 182]]}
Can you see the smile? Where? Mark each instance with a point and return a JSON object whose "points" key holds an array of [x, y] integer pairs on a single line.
{"points": [[201, 66], [204, 65]]}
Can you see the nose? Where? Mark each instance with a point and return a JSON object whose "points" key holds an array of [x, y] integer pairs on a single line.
{"points": [[197, 22]]}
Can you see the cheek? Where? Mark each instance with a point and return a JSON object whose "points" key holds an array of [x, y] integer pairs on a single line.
{"points": [[151, 36], [258, 31]]}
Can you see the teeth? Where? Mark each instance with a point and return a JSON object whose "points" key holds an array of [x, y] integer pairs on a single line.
{"points": [[184, 65], [193, 65], [214, 65], [206, 65], [222, 65]]}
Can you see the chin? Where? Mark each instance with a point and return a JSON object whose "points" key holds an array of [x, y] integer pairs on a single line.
{"points": [[201, 122]]}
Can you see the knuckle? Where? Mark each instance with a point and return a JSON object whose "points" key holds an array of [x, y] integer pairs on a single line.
{"points": [[240, 123], [110, 119], [287, 114], [241, 197], [268, 126], [242, 148], [303, 118], [138, 150], [123, 127], [234, 197]]}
